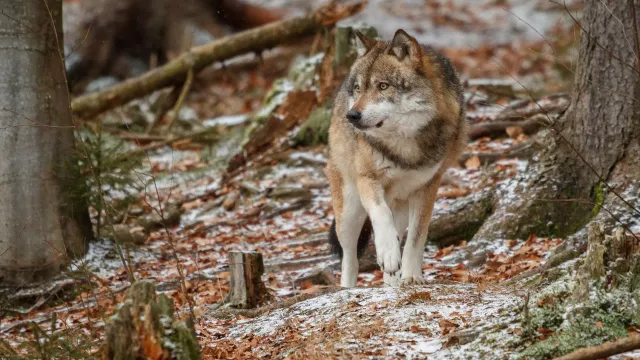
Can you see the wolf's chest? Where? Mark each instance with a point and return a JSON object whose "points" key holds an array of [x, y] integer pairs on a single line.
{"points": [[401, 183]]}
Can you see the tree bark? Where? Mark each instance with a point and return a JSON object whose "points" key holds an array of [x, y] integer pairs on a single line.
{"points": [[41, 224], [246, 289], [596, 140], [144, 327]]}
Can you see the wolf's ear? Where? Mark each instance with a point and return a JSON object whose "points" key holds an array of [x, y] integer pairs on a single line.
{"points": [[363, 43], [404, 46]]}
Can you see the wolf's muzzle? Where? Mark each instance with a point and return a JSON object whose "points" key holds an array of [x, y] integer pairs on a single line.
{"points": [[354, 117]]}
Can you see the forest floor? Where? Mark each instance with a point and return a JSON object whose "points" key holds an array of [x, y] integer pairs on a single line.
{"points": [[279, 204]]}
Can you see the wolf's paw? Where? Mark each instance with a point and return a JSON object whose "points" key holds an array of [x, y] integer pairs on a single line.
{"points": [[412, 280], [391, 280], [388, 252]]}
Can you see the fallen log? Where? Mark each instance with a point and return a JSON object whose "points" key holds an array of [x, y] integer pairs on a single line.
{"points": [[521, 110], [631, 342], [521, 151], [323, 277], [174, 72], [499, 128]]}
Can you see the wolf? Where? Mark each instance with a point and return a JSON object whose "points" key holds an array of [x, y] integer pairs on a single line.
{"points": [[397, 124]]}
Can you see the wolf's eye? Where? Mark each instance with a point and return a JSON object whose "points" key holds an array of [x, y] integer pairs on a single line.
{"points": [[356, 88], [383, 86]]}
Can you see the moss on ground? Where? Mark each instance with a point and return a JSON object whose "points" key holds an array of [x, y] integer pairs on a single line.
{"points": [[588, 328], [315, 130], [547, 317], [560, 323]]}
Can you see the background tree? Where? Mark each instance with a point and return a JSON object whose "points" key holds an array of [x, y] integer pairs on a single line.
{"points": [[40, 224], [596, 140]]}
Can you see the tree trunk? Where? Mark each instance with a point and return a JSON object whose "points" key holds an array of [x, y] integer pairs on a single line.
{"points": [[596, 140], [40, 225]]}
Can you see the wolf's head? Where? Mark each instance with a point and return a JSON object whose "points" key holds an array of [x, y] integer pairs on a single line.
{"points": [[391, 87]]}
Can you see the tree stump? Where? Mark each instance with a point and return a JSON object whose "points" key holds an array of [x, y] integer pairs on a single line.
{"points": [[144, 328], [612, 260], [345, 51], [246, 289], [593, 268]]}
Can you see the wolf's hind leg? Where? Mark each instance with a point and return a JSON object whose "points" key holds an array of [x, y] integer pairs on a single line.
{"points": [[349, 221], [400, 210], [420, 209]]}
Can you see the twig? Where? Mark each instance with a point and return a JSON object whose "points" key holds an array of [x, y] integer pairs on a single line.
{"points": [[629, 343], [137, 137], [153, 146], [181, 97], [635, 31], [35, 306], [519, 111]]}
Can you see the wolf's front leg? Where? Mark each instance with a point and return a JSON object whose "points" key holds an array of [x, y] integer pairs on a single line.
{"points": [[420, 209], [400, 211], [384, 230], [350, 216]]}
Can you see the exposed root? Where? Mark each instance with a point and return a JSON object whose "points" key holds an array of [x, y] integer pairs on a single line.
{"points": [[462, 221]]}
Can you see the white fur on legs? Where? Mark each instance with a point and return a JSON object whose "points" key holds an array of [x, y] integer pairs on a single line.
{"points": [[413, 252], [349, 275], [400, 210], [384, 230], [386, 239], [351, 221], [390, 280]]}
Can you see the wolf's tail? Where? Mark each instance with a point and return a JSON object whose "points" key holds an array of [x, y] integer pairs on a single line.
{"points": [[363, 239]]}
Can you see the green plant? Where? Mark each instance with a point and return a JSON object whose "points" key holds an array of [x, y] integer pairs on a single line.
{"points": [[107, 179]]}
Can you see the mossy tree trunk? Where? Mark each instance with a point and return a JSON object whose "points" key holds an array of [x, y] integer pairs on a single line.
{"points": [[40, 225], [596, 140]]}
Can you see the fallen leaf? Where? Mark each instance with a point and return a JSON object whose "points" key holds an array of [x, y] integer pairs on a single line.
{"points": [[511, 243], [420, 330], [419, 297], [453, 193], [447, 326], [514, 131], [472, 163], [545, 331], [452, 341]]}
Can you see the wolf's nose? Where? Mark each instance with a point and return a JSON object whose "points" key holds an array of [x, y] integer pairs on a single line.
{"points": [[354, 116]]}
